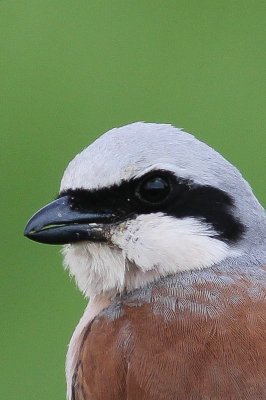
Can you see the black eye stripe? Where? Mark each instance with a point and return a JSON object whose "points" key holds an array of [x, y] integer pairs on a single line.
{"points": [[118, 196], [184, 199]]}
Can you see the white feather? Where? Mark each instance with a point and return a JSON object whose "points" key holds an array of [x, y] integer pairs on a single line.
{"points": [[143, 249]]}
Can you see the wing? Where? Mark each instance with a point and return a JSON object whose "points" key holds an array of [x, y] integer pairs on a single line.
{"points": [[204, 341]]}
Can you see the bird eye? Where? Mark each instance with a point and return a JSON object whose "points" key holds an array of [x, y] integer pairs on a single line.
{"points": [[154, 190]]}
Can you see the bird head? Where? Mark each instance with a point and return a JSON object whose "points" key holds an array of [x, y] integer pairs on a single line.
{"points": [[144, 201]]}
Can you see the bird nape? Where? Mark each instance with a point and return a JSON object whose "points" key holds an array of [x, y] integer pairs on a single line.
{"points": [[167, 240]]}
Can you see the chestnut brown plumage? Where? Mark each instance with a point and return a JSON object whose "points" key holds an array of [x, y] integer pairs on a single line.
{"points": [[190, 341]]}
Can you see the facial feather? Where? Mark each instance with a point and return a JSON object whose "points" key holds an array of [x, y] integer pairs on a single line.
{"points": [[145, 246], [142, 250]]}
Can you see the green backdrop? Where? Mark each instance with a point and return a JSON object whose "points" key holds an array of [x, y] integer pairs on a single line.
{"points": [[70, 70]]}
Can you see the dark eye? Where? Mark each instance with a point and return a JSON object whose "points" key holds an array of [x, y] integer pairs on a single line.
{"points": [[154, 190]]}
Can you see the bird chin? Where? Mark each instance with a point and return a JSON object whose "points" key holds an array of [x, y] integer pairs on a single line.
{"points": [[97, 267]]}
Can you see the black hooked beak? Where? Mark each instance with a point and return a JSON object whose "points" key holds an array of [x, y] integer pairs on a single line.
{"points": [[59, 223]]}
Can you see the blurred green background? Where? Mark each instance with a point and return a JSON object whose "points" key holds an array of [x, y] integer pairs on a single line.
{"points": [[70, 70]]}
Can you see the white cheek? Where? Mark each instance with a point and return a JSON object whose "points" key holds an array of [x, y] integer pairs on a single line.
{"points": [[144, 249], [168, 245]]}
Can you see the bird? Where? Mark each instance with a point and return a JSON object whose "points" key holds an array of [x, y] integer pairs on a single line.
{"points": [[166, 240]]}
